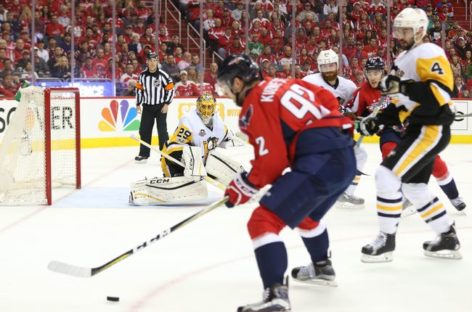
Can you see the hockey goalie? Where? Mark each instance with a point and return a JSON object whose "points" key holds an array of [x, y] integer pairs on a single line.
{"points": [[192, 152]]}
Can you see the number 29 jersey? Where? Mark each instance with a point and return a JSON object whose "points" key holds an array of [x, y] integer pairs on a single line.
{"points": [[192, 131], [274, 114]]}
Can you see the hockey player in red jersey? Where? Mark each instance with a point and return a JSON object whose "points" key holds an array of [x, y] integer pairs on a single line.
{"points": [[294, 125], [367, 97]]}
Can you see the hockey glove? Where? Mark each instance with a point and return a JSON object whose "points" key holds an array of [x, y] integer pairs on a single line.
{"points": [[369, 126], [390, 84], [239, 190]]}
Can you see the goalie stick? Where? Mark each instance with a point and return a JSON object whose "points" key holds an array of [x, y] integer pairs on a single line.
{"points": [[78, 271], [167, 156]]}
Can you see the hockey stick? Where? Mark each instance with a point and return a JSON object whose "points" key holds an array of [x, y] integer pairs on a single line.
{"points": [[78, 271], [219, 185], [459, 116]]}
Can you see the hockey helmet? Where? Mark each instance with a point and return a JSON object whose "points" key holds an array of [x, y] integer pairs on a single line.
{"points": [[240, 66], [411, 18], [374, 70], [327, 57], [206, 106], [374, 62]]}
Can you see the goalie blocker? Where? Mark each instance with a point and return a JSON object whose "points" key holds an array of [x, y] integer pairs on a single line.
{"points": [[187, 188]]}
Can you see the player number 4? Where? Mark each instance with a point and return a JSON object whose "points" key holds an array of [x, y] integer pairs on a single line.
{"points": [[436, 68]]}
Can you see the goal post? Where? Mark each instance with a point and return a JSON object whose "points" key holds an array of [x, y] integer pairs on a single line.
{"points": [[41, 146]]}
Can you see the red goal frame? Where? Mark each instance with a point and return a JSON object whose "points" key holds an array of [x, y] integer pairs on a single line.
{"points": [[47, 134]]}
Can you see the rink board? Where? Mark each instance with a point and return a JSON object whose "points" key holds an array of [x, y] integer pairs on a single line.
{"points": [[110, 121]]}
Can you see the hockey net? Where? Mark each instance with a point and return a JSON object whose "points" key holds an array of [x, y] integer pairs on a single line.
{"points": [[41, 146]]}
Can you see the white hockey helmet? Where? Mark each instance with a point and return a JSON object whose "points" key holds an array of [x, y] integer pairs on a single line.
{"points": [[412, 18], [327, 57]]}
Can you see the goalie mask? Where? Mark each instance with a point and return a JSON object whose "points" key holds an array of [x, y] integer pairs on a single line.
{"points": [[328, 64], [409, 27], [206, 107]]}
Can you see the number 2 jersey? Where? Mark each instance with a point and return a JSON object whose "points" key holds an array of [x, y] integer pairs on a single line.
{"points": [[275, 113], [192, 131], [432, 82]]}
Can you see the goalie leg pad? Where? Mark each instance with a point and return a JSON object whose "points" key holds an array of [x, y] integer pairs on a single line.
{"points": [[193, 160], [167, 191], [222, 167]]}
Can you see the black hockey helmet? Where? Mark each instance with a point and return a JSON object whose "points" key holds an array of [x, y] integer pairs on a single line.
{"points": [[374, 62], [240, 66]]}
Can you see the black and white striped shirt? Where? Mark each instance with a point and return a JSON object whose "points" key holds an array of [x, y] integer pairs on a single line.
{"points": [[154, 88]]}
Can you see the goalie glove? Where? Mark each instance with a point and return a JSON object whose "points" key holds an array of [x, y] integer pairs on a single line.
{"points": [[239, 190], [369, 126]]}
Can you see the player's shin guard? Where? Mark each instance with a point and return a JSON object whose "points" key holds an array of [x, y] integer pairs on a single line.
{"points": [[389, 207], [348, 199], [449, 187], [272, 263]]}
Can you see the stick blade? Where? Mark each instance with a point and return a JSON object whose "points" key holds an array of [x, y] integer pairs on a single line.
{"points": [[69, 269]]}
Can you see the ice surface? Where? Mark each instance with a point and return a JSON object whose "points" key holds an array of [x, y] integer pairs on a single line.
{"points": [[209, 264]]}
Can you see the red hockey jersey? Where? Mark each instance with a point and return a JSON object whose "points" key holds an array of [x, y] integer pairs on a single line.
{"points": [[273, 115], [364, 100]]}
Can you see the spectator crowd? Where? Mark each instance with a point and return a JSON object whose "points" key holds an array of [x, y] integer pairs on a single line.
{"points": [[87, 38]]}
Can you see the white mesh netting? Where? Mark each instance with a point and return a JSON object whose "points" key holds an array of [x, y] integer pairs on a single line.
{"points": [[23, 173]]}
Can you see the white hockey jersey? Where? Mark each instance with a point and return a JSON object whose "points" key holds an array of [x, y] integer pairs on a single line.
{"points": [[342, 90], [425, 63], [192, 131]]}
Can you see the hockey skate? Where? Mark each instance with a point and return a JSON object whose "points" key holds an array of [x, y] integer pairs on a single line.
{"points": [[458, 203], [446, 246], [275, 299], [319, 273], [380, 250], [350, 201]]}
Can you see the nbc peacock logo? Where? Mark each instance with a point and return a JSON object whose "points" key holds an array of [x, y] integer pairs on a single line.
{"points": [[119, 116]]}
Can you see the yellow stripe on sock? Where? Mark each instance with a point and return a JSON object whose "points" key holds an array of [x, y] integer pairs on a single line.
{"points": [[389, 208], [432, 210]]}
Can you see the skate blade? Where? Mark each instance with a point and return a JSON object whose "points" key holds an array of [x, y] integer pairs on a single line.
{"points": [[385, 257], [275, 305], [318, 282], [444, 254], [460, 213], [407, 212], [349, 206]]}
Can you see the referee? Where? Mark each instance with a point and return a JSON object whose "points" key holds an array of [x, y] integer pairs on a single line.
{"points": [[154, 93]]}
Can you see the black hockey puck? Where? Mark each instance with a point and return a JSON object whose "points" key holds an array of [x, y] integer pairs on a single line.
{"points": [[113, 299]]}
